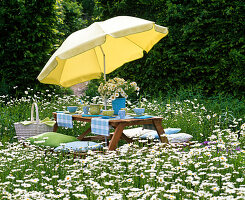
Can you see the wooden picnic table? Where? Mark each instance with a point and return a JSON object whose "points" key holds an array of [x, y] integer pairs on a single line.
{"points": [[118, 125]]}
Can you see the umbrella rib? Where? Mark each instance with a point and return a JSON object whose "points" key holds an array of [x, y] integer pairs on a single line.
{"points": [[62, 71], [134, 43], [96, 57]]}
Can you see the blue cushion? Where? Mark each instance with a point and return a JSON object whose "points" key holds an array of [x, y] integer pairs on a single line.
{"points": [[170, 131], [78, 146], [151, 135], [154, 135]]}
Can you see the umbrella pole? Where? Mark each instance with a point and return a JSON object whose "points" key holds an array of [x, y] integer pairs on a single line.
{"points": [[105, 100], [104, 69], [105, 81]]}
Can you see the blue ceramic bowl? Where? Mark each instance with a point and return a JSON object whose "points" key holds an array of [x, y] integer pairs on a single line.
{"points": [[139, 111], [72, 109]]}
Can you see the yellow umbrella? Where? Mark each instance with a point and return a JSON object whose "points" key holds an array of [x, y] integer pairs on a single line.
{"points": [[100, 48]]}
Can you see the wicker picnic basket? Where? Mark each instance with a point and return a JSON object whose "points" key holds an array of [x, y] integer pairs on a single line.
{"points": [[34, 128]]}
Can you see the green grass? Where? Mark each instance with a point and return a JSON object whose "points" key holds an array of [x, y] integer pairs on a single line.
{"points": [[213, 168]]}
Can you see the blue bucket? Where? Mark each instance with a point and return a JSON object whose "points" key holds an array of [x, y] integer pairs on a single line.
{"points": [[117, 104]]}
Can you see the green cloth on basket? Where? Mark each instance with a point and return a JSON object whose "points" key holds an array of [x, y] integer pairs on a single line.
{"points": [[26, 123], [46, 121]]}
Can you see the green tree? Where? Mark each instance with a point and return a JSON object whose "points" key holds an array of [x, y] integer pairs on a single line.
{"points": [[31, 31], [27, 38], [70, 18], [88, 9]]}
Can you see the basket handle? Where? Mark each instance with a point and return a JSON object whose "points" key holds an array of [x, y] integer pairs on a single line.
{"points": [[32, 110]]}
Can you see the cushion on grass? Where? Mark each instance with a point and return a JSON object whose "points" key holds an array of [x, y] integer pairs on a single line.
{"points": [[150, 135], [170, 131], [173, 138], [153, 134], [179, 137], [144, 133], [134, 132], [78, 146], [51, 139]]}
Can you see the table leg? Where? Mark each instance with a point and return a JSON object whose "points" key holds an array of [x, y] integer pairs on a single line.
{"points": [[116, 137], [123, 136], [55, 127], [80, 137], [127, 139], [160, 131]]}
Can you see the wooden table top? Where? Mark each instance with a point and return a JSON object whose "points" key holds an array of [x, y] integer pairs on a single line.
{"points": [[88, 119]]}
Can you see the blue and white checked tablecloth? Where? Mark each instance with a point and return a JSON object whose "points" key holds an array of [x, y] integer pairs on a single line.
{"points": [[64, 120], [100, 126]]}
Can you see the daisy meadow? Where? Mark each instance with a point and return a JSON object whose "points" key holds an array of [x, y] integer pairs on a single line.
{"points": [[212, 168]]}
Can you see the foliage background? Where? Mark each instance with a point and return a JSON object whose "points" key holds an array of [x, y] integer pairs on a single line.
{"points": [[203, 51], [204, 48], [27, 38], [31, 31]]}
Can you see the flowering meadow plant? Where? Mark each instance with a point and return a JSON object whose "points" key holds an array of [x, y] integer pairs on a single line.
{"points": [[212, 168], [206, 171], [117, 87]]}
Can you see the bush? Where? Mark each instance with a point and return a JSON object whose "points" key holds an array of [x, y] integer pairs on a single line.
{"points": [[204, 47]]}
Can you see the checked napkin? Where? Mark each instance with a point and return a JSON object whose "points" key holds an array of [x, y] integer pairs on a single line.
{"points": [[100, 126], [64, 120]]}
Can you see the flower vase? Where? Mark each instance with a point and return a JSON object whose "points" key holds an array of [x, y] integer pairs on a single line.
{"points": [[117, 104]]}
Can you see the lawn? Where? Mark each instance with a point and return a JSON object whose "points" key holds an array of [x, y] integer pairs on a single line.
{"points": [[213, 168]]}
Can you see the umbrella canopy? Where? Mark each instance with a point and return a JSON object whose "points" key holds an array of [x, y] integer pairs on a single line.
{"points": [[100, 48]]}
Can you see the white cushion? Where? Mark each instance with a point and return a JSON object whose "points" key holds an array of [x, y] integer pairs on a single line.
{"points": [[179, 137], [146, 133], [135, 132], [154, 135]]}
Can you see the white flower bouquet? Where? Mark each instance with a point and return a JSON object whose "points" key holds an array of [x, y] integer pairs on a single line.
{"points": [[116, 88]]}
